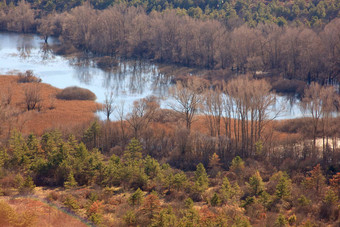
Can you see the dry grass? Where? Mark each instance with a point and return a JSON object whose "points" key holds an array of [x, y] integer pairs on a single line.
{"points": [[53, 114], [46, 215], [68, 115]]}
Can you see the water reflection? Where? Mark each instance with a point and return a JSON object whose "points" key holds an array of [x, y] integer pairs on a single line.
{"points": [[129, 80], [128, 77], [46, 52], [83, 74], [24, 46]]}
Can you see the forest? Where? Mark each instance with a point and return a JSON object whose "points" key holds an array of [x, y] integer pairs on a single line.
{"points": [[312, 13], [216, 157]]}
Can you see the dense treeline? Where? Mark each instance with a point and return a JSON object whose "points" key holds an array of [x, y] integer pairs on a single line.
{"points": [[293, 52], [311, 13]]}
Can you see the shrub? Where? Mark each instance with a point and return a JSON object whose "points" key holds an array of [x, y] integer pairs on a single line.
{"points": [[33, 97], [281, 221], [130, 218], [71, 202], [289, 86], [292, 219], [241, 221], [151, 206], [76, 93], [53, 196], [166, 217], [329, 209], [94, 214], [237, 164], [215, 200], [27, 187], [28, 77], [188, 203], [303, 201]]}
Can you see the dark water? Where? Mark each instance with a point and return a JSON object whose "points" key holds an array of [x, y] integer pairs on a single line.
{"points": [[129, 81]]}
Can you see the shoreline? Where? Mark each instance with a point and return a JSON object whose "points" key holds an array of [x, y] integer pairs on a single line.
{"points": [[53, 113]]}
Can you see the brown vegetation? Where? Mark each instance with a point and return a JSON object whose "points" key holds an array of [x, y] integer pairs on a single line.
{"points": [[76, 93], [110, 178], [53, 113], [291, 51], [32, 212], [28, 77]]}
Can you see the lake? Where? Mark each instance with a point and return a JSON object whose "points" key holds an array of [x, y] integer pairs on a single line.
{"points": [[130, 80]]}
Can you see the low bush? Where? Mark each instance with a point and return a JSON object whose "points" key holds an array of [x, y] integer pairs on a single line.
{"points": [[53, 196], [28, 77], [76, 93], [284, 86], [27, 186], [71, 203]]}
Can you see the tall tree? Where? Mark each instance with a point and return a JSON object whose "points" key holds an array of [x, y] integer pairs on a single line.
{"points": [[21, 18], [318, 102], [188, 99]]}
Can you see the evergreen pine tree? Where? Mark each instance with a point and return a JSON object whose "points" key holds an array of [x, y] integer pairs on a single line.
{"points": [[70, 182], [27, 187], [136, 198], [215, 200], [256, 184], [201, 177]]}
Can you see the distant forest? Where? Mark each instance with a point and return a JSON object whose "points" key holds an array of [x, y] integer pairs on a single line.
{"points": [[311, 13], [293, 52]]}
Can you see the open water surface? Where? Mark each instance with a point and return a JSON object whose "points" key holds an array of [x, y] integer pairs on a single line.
{"points": [[129, 81]]}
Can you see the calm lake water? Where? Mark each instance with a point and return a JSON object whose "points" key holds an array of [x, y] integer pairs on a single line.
{"points": [[130, 80]]}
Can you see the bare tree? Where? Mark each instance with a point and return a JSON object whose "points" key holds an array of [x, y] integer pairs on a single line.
{"points": [[108, 106], [22, 17], [312, 104], [319, 103], [331, 39], [78, 25], [212, 108], [48, 25], [120, 113], [32, 96], [142, 114], [248, 102], [187, 95]]}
